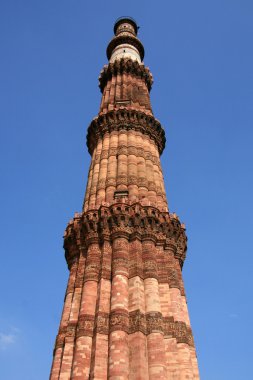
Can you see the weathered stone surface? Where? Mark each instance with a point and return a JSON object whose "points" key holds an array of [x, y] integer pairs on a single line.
{"points": [[125, 313]]}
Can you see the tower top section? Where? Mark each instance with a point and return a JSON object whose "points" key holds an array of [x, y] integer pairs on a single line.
{"points": [[125, 43], [123, 22]]}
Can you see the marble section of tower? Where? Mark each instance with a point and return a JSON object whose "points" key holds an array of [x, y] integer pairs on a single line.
{"points": [[125, 313]]}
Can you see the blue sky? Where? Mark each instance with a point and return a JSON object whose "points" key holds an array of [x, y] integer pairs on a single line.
{"points": [[200, 53]]}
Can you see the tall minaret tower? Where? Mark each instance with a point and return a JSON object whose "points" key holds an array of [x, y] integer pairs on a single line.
{"points": [[125, 313]]}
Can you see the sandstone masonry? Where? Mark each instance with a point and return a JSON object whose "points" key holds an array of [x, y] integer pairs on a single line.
{"points": [[125, 312]]}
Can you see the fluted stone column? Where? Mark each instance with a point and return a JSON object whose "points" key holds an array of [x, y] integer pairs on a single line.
{"points": [[132, 165], [125, 314], [100, 348], [118, 340], [111, 167], [103, 170], [59, 347], [82, 354], [138, 358], [155, 338], [122, 161]]}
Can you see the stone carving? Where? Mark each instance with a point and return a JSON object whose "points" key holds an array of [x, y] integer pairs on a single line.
{"points": [[120, 266], [121, 180], [142, 182], [154, 322], [104, 154], [137, 322], [110, 182], [92, 271], [71, 329], [112, 151], [131, 322], [150, 269], [125, 66], [128, 120], [119, 320], [148, 155], [120, 244], [132, 180], [168, 326], [122, 149], [102, 323], [85, 325], [136, 268], [151, 186], [132, 150], [178, 330], [128, 221], [173, 278], [125, 230]]}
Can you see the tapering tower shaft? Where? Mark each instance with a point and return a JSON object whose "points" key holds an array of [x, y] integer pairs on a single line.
{"points": [[125, 312]]}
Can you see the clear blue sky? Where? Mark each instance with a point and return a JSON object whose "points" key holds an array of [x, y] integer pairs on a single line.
{"points": [[200, 53]]}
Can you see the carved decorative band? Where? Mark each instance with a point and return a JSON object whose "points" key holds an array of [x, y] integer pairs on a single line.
{"points": [[128, 221], [130, 150], [121, 320], [112, 151], [137, 322], [85, 325], [151, 186], [178, 330], [154, 322], [150, 268], [173, 278], [135, 269], [120, 266], [122, 180], [132, 180], [125, 66], [110, 182], [92, 237], [125, 119], [122, 149], [71, 329], [92, 272], [106, 272], [104, 154], [102, 323], [142, 182]]}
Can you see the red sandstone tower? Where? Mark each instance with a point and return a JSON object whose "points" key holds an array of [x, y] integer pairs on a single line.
{"points": [[125, 313]]}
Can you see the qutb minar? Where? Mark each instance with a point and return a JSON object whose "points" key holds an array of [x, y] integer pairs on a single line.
{"points": [[125, 313]]}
